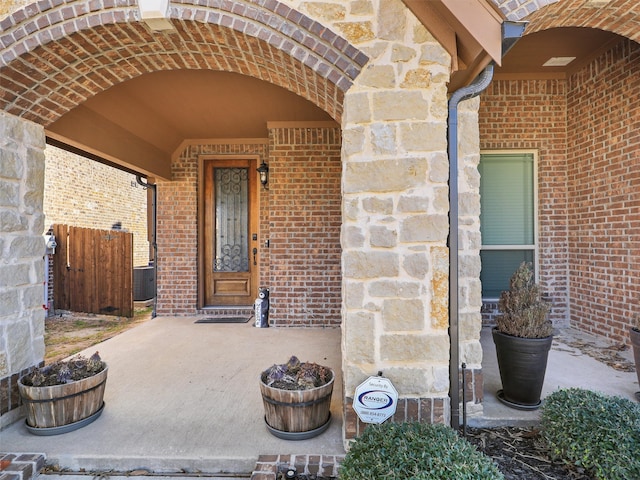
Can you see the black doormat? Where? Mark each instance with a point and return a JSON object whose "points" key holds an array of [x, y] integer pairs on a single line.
{"points": [[224, 320]]}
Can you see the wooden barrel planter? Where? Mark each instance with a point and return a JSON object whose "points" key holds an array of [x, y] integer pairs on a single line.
{"points": [[297, 414], [63, 408], [634, 334]]}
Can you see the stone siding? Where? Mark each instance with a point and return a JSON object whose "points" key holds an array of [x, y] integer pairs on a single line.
{"points": [[21, 255], [378, 72], [395, 215]]}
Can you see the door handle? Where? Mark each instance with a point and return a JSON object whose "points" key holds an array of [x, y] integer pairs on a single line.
{"points": [[255, 252]]}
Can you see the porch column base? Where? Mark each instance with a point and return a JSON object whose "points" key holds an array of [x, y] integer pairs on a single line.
{"points": [[10, 411], [426, 410], [474, 386]]}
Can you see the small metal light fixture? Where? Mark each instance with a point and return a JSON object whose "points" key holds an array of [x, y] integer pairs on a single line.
{"points": [[263, 170]]}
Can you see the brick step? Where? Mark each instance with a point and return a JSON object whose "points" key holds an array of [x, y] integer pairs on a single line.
{"points": [[21, 466], [272, 467]]}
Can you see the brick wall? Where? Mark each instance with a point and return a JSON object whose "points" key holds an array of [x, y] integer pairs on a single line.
{"points": [[305, 219], [533, 115], [84, 193], [177, 235], [299, 214], [586, 132], [604, 192]]}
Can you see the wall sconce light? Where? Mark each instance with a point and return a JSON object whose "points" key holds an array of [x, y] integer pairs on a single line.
{"points": [[263, 170]]}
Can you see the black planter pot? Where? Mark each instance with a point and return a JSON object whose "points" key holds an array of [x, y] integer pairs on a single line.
{"points": [[635, 341], [522, 363]]}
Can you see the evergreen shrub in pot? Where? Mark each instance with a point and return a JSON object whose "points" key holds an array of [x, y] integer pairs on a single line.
{"points": [[523, 337], [65, 395]]}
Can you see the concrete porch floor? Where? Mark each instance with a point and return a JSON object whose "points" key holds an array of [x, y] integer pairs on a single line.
{"points": [[184, 397]]}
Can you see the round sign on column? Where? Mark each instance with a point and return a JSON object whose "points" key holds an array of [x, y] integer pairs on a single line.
{"points": [[375, 400]]}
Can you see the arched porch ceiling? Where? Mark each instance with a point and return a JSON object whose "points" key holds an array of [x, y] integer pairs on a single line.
{"points": [[166, 107], [570, 28], [55, 61]]}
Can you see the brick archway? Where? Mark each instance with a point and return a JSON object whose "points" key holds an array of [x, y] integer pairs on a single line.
{"points": [[516, 11], [54, 57], [617, 16]]}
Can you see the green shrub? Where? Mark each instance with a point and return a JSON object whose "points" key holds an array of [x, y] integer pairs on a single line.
{"points": [[597, 432], [415, 451]]}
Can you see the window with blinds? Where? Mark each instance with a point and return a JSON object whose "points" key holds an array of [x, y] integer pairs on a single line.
{"points": [[508, 217]]}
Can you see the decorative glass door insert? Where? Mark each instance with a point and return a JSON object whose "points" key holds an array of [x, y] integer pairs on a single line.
{"points": [[232, 225]]}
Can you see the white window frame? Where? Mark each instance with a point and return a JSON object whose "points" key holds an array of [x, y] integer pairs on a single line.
{"points": [[535, 246]]}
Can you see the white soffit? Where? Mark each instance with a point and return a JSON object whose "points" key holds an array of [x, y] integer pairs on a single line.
{"points": [[155, 13], [558, 61]]}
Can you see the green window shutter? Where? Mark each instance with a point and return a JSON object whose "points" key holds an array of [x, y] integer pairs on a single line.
{"points": [[507, 218], [506, 196]]}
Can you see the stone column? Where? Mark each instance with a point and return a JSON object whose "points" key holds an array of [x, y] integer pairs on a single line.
{"points": [[395, 217], [470, 289], [21, 256]]}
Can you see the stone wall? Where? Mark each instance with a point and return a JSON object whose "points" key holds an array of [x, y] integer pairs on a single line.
{"points": [[394, 205], [395, 213], [21, 256]]}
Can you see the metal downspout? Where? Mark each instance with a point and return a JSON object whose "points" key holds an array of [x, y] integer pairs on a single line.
{"points": [[464, 93], [154, 244]]}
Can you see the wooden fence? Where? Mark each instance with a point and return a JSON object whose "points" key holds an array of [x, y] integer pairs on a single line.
{"points": [[93, 271]]}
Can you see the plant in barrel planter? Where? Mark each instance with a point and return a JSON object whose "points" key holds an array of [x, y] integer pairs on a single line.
{"points": [[297, 398], [523, 336], [634, 333], [65, 395]]}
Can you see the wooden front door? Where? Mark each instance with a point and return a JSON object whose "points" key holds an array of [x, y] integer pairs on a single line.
{"points": [[230, 227]]}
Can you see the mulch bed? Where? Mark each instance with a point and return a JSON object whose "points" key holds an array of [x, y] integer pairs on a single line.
{"points": [[518, 452], [521, 455]]}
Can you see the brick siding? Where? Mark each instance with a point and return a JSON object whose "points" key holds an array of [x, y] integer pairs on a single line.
{"points": [[533, 115], [84, 193], [603, 190], [305, 218], [619, 16], [177, 235], [425, 410], [586, 132], [299, 214]]}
